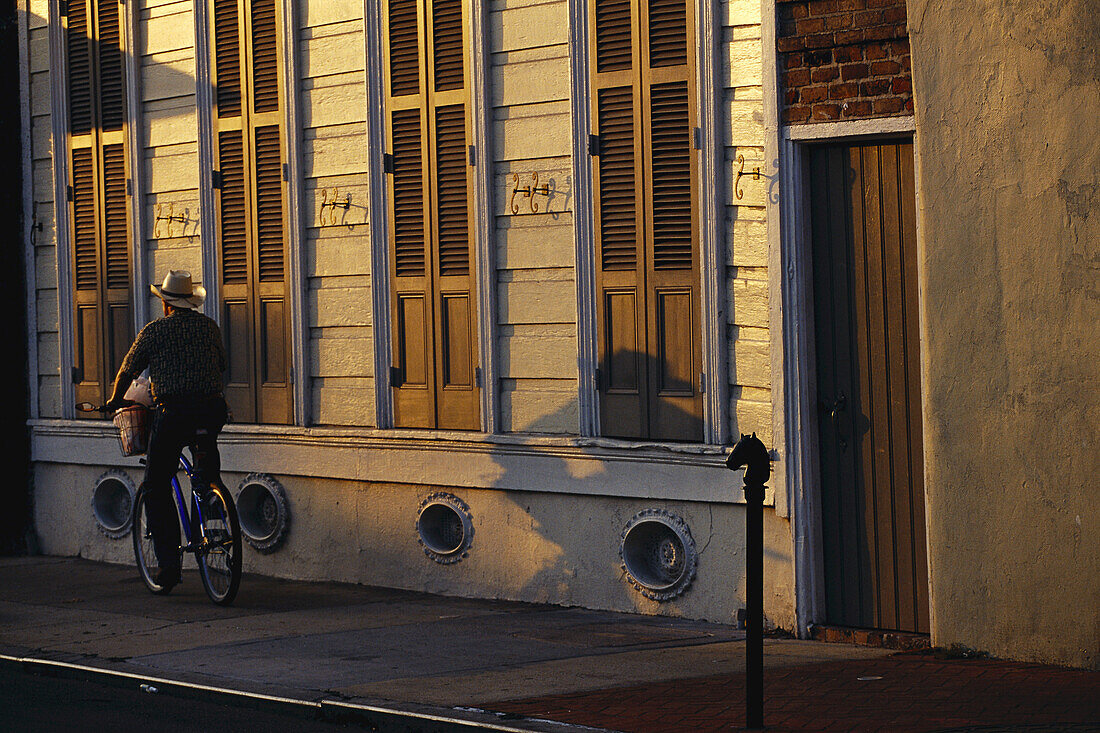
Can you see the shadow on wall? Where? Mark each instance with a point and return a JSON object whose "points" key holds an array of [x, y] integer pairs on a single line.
{"points": [[564, 548], [16, 536]]}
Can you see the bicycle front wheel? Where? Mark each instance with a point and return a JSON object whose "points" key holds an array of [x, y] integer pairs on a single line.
{"points": [[219, 555], [144, 552]]}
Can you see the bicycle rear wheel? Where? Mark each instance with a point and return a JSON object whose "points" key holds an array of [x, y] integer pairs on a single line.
{"points": [[219, 555], [143, 546]]}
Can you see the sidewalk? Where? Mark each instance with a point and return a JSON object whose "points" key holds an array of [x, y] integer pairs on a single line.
{"points": [[513, 666]]}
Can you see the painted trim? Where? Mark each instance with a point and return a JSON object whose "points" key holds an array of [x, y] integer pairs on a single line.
{"points": [[30, 278], [59, 115], [835, 131], [791, 327], [800, 383], [296, 282], [714, 335], [776, 331], [208, 205], [656, 472], [587, 395], [588, 403], [378, 224], [484, 243], [139, 272]]}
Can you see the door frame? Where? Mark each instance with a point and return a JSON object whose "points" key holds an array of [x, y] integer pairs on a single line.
{"points": [[794, 334]]}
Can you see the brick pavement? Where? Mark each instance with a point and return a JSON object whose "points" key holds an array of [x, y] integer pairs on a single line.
{"points": [[913, 691]]}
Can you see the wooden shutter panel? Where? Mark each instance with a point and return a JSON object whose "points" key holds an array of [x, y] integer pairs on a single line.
{"points": [[116, 245], [227, 58], [447, 63], [265, 64], [614, 49], [457, 396], [102, 315], [234, 224], [87, 359], [647, 262], [404, 46], [621, 307], [269, 204], [252, 210], [668, 40], [434, 345], [78, 39], [236, 318], [109, 48], [676, 403], [269, 286], [408, 194], [413, 396], [84, 221]]}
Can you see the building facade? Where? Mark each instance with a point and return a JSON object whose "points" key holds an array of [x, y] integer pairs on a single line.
{"points": [[500, 282]]}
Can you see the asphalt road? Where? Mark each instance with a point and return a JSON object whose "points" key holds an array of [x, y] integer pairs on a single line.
{"points": [[32, 703]]}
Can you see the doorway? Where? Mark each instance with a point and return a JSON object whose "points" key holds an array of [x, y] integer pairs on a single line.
{"points": [[863, 240]]}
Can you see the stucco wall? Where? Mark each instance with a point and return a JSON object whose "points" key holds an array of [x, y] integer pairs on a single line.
{"points": [[1007, 104], [527, 546]]}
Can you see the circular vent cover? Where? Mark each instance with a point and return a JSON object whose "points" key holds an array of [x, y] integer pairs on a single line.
{"points": [[113, 502], [262, 506], [444, 528], [658, 554]]}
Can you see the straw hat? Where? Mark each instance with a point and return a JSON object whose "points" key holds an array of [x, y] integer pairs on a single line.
{"points": [[177, 290]]}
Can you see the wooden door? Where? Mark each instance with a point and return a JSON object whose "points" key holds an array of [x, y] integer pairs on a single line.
{"points": [[863, 214]]}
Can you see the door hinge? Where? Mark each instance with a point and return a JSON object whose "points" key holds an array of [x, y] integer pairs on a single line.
{"points": [[216, 179], [129, 186], [387, 163], [68, 193], [594, 145], [290, 375], [395, 376], [697, 137], [471, 151], [596, 377], [76, 375], [477, 376], [286, 172], [702, 382]]}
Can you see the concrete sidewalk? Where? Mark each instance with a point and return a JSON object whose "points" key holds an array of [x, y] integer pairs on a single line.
{"points": [[514, 666]]}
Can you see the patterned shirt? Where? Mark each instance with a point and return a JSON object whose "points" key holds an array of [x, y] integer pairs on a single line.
{"points": [[183, 352]]}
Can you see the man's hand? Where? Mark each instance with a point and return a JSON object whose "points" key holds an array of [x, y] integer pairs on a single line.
{"points": [[116, 403], [122, 383]]}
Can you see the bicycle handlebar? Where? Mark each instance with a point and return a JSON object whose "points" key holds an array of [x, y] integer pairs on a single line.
{"points": [[101, 409]]}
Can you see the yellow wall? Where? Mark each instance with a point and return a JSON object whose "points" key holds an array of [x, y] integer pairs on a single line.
{"points": [[1009, 175]]}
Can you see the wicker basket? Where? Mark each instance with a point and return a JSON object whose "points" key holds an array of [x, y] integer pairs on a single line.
{"points": [[133, 429]]}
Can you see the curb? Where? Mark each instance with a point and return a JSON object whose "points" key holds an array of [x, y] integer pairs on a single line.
{"points": [[376, 717]]}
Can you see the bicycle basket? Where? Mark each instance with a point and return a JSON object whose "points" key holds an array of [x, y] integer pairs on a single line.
{"points": [[133, 429]]}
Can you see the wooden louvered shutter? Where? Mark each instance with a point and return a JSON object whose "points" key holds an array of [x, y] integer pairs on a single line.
{"points": [[103, 321], [647, 262], [251, 210], [434, 345]]}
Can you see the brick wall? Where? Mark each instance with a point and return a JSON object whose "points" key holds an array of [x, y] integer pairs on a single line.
{"points": [[843, 59]]}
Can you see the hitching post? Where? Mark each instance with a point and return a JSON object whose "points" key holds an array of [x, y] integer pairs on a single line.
{"points": [[751, 453]]}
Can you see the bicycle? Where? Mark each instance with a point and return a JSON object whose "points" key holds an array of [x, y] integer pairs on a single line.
{"points": [[212, 528]]}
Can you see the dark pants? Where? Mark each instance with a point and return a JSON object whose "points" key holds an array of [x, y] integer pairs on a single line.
{"points": [[194, 422]]}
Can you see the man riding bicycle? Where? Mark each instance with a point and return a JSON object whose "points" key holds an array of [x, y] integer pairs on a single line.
{"points": [[185, 356]]}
